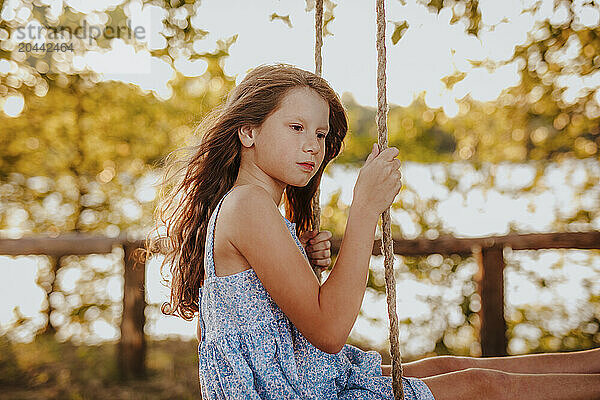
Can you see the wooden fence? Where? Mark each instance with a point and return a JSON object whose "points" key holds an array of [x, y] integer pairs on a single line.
{"points": [[488, 252]]}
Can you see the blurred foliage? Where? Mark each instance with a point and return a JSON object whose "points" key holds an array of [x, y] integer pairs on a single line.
{"points": [[451, 319], [93, 144], [77, 157], [550, 116], [47, 369]]}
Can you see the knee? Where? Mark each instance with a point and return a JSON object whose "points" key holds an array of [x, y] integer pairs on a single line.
{"points": [[489, 383]]}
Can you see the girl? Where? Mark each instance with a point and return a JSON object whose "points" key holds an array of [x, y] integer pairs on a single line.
{"points": [[267, 328]]}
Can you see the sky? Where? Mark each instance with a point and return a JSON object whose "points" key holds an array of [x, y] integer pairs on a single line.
{"points": [[430, 49]]}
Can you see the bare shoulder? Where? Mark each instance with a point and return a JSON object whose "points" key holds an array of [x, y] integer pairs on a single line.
{"points": [[230, 223], [249, 199], [228, 259], [244, 204]]}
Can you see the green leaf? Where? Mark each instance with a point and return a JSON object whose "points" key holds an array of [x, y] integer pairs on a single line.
{"points": [[399, 31], [453, 79], [284, 18]]}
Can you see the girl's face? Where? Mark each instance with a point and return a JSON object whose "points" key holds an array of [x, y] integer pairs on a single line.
{"points": [[292, 135]]}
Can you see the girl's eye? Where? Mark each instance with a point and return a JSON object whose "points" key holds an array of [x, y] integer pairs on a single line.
{"points": [[320, 135]]}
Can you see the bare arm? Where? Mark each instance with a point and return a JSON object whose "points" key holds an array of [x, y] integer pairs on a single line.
{"points": [[341, 296], [263, 238], [324, 313]]}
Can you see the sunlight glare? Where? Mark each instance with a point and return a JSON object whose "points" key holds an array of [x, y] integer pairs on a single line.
{"points": [[13, 105]]}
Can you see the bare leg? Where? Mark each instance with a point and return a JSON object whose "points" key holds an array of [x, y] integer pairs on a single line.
{"points": [[576, 362], [430, 366], [434, 366], [476, 384]]}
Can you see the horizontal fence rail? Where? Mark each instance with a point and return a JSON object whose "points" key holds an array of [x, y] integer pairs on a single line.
{"points": [[488, 251]]}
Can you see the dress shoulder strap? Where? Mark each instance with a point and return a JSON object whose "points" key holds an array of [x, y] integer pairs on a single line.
{"points": [[209, 263]]}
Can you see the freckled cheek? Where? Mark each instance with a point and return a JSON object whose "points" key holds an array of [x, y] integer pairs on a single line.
{"points": [[322, 154]]}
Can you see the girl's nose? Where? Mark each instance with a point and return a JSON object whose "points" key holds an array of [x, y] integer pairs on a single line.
{"points": [[312, 144]]}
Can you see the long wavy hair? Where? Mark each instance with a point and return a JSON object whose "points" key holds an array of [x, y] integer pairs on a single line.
{"points": [[209, 169]]}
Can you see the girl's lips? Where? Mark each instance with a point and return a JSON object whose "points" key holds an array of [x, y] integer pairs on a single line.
{"points": [[306, 167]]}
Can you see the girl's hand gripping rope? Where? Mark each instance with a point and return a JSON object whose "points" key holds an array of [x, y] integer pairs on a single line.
{"points": [[379, 180], [317, 247]]}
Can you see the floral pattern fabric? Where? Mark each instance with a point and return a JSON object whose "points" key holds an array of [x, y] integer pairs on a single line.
{"points": [[249, 349]]}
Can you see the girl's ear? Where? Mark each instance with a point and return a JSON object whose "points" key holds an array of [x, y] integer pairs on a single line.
{"points": [[247, 135]]}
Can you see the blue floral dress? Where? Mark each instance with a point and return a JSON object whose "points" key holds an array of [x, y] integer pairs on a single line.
{"points": [[249, 349]]}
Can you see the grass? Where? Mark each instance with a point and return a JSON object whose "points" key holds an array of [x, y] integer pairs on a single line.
{"points": [[47, 369]]}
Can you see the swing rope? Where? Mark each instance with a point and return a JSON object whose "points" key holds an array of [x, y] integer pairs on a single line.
{"points": [[316, 207], [387, 246]]}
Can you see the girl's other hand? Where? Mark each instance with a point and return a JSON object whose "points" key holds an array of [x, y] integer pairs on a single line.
{"points": [[379, 180], [317, 247]]}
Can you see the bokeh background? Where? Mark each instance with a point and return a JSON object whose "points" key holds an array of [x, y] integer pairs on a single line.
{"points": [[494, 106]]}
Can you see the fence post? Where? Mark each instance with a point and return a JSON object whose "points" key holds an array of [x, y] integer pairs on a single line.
{"points": [[491, 291], [132, 346]]}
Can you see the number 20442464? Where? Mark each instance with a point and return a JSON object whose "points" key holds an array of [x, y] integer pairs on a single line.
{"points": [[45, 47]]}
